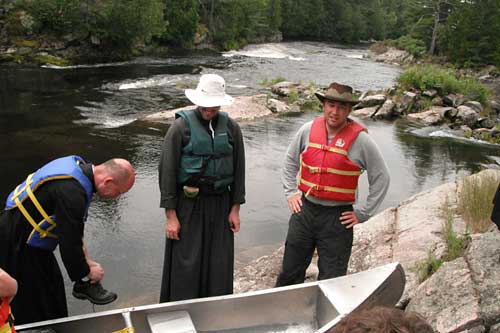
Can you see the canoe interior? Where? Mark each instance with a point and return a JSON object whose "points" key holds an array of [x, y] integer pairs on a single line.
{"points": [[309, 307]]}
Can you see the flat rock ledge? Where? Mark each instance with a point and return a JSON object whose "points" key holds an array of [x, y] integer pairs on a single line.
{"points": [[462, 296], [243, 108]]}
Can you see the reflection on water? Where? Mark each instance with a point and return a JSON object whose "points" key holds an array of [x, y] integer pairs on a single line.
{"points": [[47, 113]]}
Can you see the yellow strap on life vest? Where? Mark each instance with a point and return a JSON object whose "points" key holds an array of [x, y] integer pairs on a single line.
{"points": [[328, 148], [43, 233], [331, 170], [326, 188], [124, 330], [39, 207], [5, 328]]}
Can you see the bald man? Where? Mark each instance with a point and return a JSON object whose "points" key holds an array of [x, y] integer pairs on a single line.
{"points": [[49, 209]]}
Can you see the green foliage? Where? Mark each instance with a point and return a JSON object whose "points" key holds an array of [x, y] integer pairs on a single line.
{"points": [[472, 36], [57, 16], [415, 47], [182, 22], [26, 43], [424, 77], [428, 267], [48, 59], [123, 23], [293, 96], [475, 201], [270, 82], [312, 105], [455, 244]]}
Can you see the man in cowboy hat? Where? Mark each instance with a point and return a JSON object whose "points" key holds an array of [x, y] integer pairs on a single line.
{"points": [[202, 184], [328, 154]]}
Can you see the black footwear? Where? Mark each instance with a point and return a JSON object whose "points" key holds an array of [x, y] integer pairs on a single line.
{"points": [[94, 292]]}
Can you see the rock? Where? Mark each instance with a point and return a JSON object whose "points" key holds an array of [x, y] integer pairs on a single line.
{"points": [[438, 101], [366, 112], [431, 93], [486, 123], [467, 116], [495, 107], [449, 112], [433, 116], [407, 101], [277, 106], [454, 304], [454, 100], [476, 106], [495, 328], [370, 101], [386, 111], [243, 108], [393, 56], [283, 88]]}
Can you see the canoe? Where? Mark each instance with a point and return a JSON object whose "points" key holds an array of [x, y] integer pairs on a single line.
{"points": [[308, 307]]}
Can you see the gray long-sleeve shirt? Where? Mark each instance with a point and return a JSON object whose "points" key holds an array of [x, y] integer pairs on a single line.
{"points": [[363, 151]]}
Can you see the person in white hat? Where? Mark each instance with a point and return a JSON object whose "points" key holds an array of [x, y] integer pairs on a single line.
{"points": [[202, 185], [320, 178]]}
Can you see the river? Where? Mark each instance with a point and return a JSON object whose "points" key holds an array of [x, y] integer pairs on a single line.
{"points": [[90, 111]]}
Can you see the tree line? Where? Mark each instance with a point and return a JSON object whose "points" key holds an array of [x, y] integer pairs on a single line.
{"points": [[467, 32]]}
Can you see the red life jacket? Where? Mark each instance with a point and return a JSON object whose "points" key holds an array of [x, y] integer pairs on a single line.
{"points": [[325, 170], [6, 325]]}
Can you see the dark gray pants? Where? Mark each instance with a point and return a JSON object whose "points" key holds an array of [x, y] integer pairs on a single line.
{"points": [[316, 226]]}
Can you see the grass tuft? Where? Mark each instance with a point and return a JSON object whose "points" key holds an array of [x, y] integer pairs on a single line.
{"points": [[475, 201]]}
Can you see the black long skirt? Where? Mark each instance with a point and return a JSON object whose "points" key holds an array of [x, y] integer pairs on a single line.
{"points": [[201, 263], [40, 295]]}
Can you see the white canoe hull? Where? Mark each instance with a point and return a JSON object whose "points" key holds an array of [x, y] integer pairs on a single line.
{"points": [[309, 307]]}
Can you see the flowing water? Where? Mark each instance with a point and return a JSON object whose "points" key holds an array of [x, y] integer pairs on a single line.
{"points": [[90, 111]]}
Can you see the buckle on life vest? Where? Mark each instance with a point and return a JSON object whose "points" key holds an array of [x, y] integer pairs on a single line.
{"points": [[324, 147]]}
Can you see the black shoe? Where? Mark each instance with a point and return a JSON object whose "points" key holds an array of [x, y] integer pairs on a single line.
{"points": [[94, 292]]}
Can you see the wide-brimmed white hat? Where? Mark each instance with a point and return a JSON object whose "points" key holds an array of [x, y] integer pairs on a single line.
{"points": [[210, 92]]}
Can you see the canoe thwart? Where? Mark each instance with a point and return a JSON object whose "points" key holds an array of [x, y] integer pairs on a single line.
{"points": [[174, 321]]}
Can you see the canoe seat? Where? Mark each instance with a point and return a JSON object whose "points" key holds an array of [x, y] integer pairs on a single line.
{"points": [[171, 322]]}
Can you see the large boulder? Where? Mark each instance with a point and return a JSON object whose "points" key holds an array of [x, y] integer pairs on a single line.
{"points": [[467, 116], [434, 116], [386, 111], [369, 101], [463, 294]]}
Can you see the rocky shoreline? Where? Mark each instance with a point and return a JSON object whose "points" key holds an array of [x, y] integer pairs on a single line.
{"points": [[462, 296]]}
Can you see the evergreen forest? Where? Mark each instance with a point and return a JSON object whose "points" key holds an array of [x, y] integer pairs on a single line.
{"points": [[464, 32]]}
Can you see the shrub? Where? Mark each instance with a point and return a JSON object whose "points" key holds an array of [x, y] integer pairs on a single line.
{"points": [[415, 47], [475, 201], [58, 16], [444, 80]]}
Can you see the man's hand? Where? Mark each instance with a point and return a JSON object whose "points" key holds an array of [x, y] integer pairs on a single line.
{"points": [[234, 218], [172, 227], [96, 272], [349, 219], [295, 203]]}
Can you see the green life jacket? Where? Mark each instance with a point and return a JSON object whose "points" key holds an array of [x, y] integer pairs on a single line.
{"points": [[205, 160]]}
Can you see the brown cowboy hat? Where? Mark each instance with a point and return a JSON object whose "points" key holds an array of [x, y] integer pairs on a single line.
{"points": [[337, 92]]}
